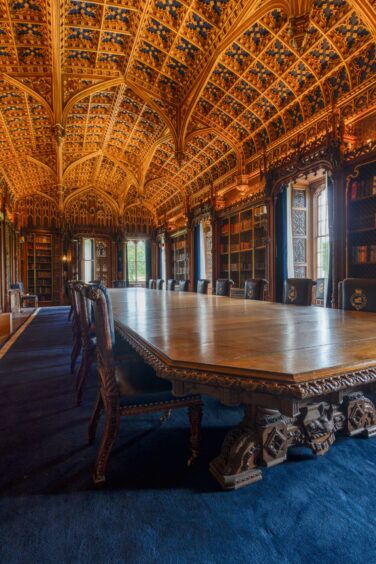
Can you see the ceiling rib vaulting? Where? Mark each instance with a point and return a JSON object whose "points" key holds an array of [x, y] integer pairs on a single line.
{"points": [[155, 101]]}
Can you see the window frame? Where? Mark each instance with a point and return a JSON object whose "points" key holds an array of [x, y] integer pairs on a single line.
{"points": [[135, 242], [316, 193]]}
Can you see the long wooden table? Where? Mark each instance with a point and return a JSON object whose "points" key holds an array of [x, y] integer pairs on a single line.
{"points": [[301, 372]]}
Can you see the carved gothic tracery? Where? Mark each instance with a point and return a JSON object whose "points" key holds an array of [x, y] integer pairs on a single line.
{"points": [[204, 97]]}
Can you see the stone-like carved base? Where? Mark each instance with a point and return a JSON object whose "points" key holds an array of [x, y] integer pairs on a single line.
{"points": [[235, 467], [264, 438]]}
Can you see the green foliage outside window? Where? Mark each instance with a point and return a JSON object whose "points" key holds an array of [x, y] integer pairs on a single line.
{"points": [[136, 261]]}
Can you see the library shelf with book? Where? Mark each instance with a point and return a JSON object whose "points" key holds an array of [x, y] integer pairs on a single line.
{"points": [[40, 266], [179, 256], [362, 223], [242, 245]]}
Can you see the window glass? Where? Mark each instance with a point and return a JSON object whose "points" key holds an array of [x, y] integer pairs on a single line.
{"points": [[322, 240], [88, 255], [136, 261]]}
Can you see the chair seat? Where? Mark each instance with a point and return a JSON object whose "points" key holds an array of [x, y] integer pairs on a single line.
{"points": [[156, 398], [139, 385], [135, 378]]}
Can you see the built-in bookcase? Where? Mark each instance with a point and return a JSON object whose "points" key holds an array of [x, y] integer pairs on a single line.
{"points": [[179, 256], [362, 224], [40, 266], [242, 245]]}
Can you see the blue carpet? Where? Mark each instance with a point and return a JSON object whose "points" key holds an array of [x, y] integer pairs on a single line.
{"points": [[155, 510]]}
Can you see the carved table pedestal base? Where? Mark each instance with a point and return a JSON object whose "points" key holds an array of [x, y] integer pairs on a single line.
{"points": [[264, 435]]}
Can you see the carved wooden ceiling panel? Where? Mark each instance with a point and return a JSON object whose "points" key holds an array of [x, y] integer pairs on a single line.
{"points": [[156, 100]]}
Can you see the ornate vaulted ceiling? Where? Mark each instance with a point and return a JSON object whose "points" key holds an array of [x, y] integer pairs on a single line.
{"points": [[153, 102]]}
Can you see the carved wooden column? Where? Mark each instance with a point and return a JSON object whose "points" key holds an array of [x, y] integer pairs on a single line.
{"points": [[215, 250], [191, 251], [154, 255], [338, 232], [271, 247], [167, 257]]}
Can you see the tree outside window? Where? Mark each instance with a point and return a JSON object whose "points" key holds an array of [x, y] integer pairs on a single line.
{"points": [[136, 264]]}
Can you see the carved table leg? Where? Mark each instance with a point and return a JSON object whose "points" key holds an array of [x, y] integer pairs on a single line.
{"points": [[360, 415], [265, 438], [195, 416], [236, 466]]}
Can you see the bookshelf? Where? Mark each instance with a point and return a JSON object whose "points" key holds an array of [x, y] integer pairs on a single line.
{"points": [[179, 256], [242, 245], [362, 224], [39, 266]]}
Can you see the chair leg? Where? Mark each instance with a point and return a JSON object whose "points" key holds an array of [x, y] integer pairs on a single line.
{"points": [[111, 429], [195, 416], [75, 352], [81, 376], [94, 419], [87, 360], [70, 313]]}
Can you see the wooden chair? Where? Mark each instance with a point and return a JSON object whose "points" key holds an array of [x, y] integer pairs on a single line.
{"points": [[254, 289], [298, 291], [184, 285], [223, 287], [159, 284], [128, 388], [320, 292], [24, 297], [152, 284], [358, 294], [171, 283], [76, 327], [88, 341], [119, 284], [202, 286]]}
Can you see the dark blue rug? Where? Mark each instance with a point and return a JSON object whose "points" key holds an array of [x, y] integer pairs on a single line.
{"points": [[155, 510]]}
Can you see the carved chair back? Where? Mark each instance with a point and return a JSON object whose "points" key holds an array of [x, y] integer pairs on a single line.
{"points": [[171, 284], [109, 307], [298, 291], [202, 286], [119, 284], [84, 312], [152, 284], [359, 294], [223, 287], [75, 303], [18, 286], [254, 288], [105, 356], [159, 284], [184, 285]]}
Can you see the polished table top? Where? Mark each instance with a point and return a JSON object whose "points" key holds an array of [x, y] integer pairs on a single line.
{"points": [[244, 337]]}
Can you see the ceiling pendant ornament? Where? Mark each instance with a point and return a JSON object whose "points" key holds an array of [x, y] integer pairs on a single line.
{"points": [[297, 29]]}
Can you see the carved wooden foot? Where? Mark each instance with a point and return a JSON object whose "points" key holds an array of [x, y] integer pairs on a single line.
{"points": [[111, 429], [195, 416], [236, 466]]}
